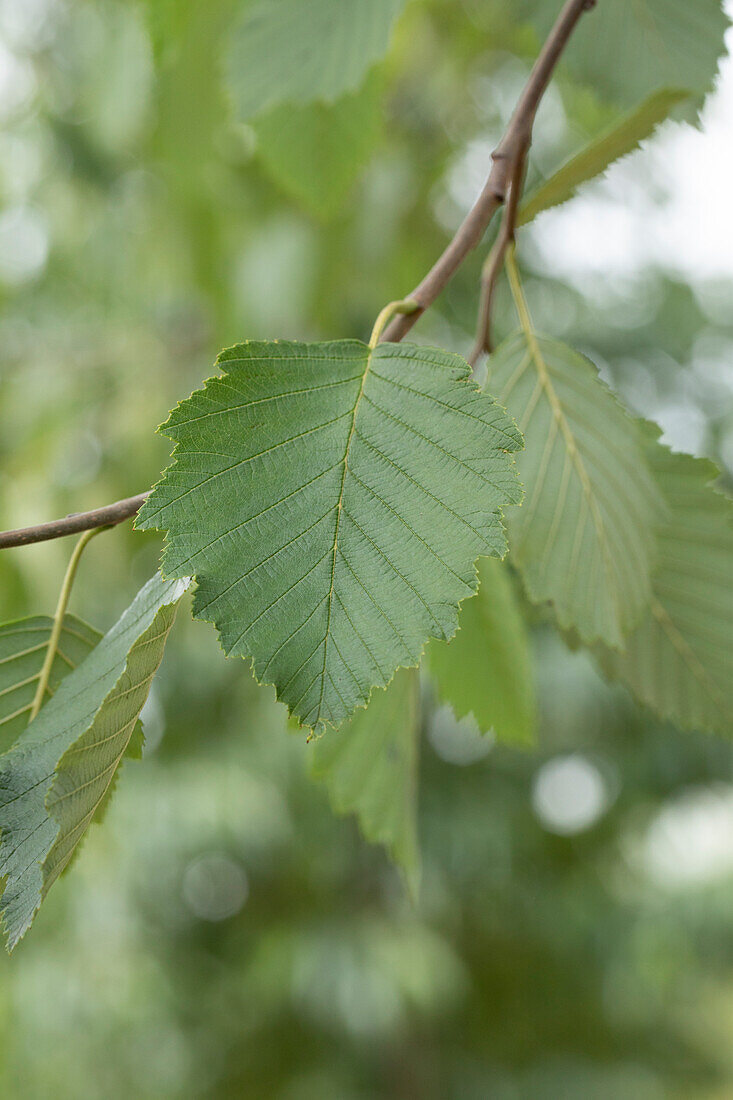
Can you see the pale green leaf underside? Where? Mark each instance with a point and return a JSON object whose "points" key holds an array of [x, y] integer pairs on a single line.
{"points": [[584, 538], [290, 51], [679, 659], [331, 502], [627, 48], [57, 775], [369, 768], [22, 652], [315, 152], [616, 142], [485, 670]]}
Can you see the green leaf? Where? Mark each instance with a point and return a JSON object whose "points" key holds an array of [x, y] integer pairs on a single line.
{"points": [[331, 501], [287, 51], [54, 779], [628, 48], [584, 538], [315, 152], [166, 22], [486, 670], [369, 768], [23, 645], [679, 659], [616, 142]]}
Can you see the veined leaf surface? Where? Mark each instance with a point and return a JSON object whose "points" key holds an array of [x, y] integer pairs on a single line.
{"points": [[679, 659], [23, 645], [291, 51], [369, 768], [485, 670], [617, 141], [331, 501], [58, 774], [584, 538]]}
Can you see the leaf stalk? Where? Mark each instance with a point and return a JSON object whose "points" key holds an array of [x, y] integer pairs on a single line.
{"points": [[58, 619], [405, 306]]}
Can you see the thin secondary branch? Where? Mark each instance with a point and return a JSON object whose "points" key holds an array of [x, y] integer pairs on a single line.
{"points": [[508, 152], [513, 144], [58, 620], [108, 516], [495, 260]]}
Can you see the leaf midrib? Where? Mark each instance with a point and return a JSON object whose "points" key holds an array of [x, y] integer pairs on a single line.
{"points": [[339, 510], [543, 373]]}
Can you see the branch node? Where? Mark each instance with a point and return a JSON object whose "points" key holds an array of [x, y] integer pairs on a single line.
{"points": [[504, 181], [512, 147]]}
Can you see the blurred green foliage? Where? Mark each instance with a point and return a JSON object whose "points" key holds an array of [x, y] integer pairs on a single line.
{"points": [[225, 935]]}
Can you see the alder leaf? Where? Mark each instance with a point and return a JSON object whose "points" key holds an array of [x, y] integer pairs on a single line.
{"points": [[331, 501], [679, 659], [584, 538], [627, 48], [617, 141], [315, 152], [23, 645], [58, 774], [288, 51], [369, 768], [485, 670]]}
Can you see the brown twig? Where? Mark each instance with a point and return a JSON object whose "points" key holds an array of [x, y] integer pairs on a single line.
{"points": [[509, 153], [495, 260], [513, 145], [108, 516]]}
